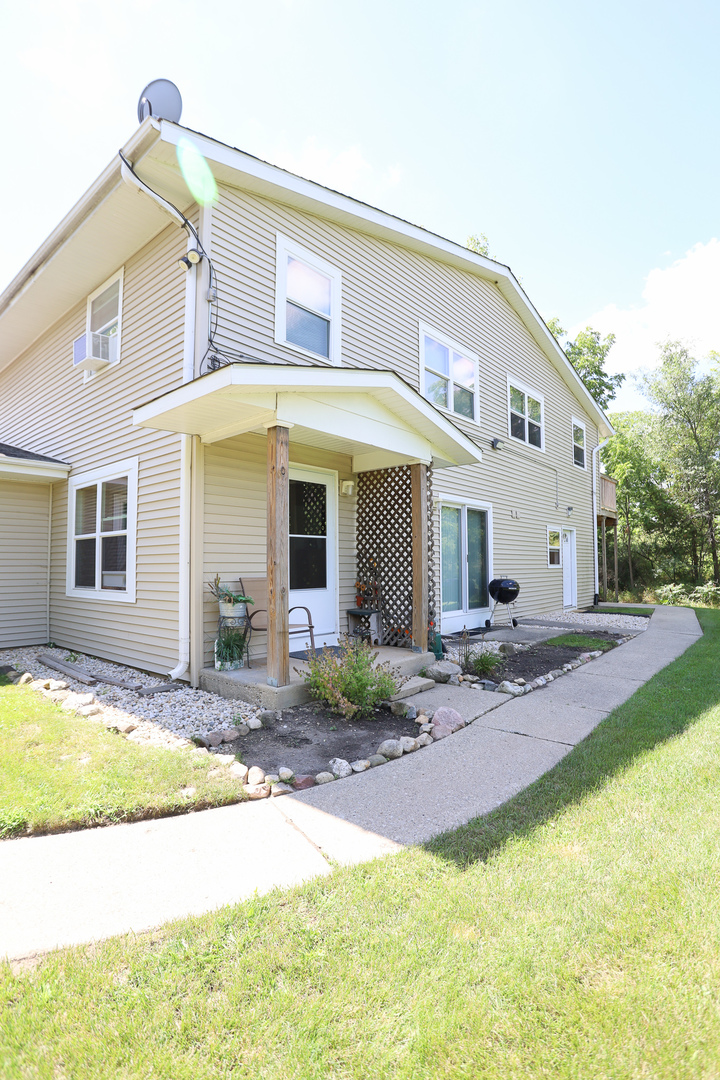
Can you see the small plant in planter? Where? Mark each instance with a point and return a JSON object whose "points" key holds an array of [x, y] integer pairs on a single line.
{"points": [[231, 604], [230, 645]]}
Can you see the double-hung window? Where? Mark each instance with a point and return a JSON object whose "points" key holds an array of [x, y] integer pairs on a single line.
{"points": [[101, 532], [307, 302], [99, 347], [449, 373], [553, 547], [526, 409], [578, 434]]}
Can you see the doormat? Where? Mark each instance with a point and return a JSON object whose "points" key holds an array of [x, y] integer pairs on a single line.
{"points": [[304, 654]]}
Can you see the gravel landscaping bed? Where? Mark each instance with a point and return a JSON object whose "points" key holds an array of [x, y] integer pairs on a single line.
{"points": [[590, 619]]}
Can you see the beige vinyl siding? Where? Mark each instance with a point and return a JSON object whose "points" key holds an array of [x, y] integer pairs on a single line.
{"points": [[89, 424], [24, 517], [387, 291], [236, 528]]}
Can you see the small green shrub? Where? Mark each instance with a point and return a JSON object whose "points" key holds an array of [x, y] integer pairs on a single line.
{"points": [[349, 684], [672, 594], [484, 663], [707, 595]]}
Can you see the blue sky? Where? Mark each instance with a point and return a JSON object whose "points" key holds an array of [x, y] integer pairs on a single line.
{"points": [[580, 138]]}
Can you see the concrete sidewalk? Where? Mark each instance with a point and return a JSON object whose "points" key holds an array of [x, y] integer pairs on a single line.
{"points": [[80, 887]]}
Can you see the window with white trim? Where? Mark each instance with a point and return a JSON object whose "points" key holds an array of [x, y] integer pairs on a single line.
{"points": [[464, 558], [103, 325], [449, 373], [578, 434], [102, 512], [553, 547], [526, 408], [307, 302]]}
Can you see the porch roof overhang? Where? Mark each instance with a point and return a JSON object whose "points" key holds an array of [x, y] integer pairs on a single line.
{"points": [[372, 416], [17, 464]]}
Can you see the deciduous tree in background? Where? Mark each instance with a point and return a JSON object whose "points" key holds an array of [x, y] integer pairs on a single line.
{"points": [[588, 355]]}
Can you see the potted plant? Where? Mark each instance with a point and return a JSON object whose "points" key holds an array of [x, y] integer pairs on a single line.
{"points": [[230, 647], [232, 604]]}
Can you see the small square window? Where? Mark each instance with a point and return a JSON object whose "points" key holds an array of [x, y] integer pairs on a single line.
{"points": [[450, 374], [553, 543], [526, 415], [307, 302], [578, 431], [99, 347]]}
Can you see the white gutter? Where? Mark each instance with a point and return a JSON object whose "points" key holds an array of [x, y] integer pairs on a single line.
{"points": [[595, 466], [188, 374]]}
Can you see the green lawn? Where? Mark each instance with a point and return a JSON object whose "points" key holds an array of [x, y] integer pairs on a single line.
{"points": [[573, 933], [60, 772], [581, 641]]}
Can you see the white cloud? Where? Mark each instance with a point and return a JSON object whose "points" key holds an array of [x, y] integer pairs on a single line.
{"points": [[680, 302]]}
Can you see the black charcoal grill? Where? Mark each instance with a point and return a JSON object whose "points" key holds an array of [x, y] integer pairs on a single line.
{"points": [[504, 591]]}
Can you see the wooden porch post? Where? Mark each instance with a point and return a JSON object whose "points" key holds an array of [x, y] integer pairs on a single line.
{"points": [[615, 551], [420, 546], [604, 561], [278, 503]]}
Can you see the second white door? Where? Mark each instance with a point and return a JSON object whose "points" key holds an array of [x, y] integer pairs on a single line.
{"points": [[312, 544]]}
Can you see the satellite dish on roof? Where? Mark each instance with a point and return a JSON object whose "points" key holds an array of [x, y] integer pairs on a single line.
{"points": [[160, 98]]}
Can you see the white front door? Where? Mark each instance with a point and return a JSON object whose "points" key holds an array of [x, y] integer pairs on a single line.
{"points": [[313, 550], [569, 562]]}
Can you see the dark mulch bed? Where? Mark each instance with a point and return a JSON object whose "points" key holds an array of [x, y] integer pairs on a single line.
{"points": [[308, 736], [541, 659]]}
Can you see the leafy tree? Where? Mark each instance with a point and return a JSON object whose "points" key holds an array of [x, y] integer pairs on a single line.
{"points": [[480, 244], [688, 437], [588, 354]]}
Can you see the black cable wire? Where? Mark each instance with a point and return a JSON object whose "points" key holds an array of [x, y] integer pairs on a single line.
{"points": [[215, 356]]}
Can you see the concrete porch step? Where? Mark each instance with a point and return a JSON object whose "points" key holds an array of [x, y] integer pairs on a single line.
{"points": [[250, 684]]}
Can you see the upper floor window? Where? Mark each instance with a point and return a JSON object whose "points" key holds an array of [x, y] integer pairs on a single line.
{"points": [[307, 302], [578, 432], [101, 532], [99, 346], [450, 374], [526, 414]]}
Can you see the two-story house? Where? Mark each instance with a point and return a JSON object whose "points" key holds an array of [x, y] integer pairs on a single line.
{"points": [[286, 384]]}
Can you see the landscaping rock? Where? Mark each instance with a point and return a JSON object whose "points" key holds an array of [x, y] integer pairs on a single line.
{"points": [[272, 778], [377, 759], [268, 717], [257, 791], [439, 732], [506, 648], [556, 673], [425, 739], [489, 685], [242, 729], [300, 783], [401, 708], [340, 768], [409, 744], [471, 678], [239, 770], [254, 723], [280, 789], [58, 695], [286, 775], [201, 740], [56, 684], [447, 717], [125, 727], [324, 778], [88, 710], [230, 734], [425, 729], [390, 748], [520, 682], [362, 765], [255, 775], [26, 677], [215, 738], [509, 688], [443, 670]]}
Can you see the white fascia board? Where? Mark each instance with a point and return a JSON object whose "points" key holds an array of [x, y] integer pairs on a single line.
{"points": [[27, 470]]}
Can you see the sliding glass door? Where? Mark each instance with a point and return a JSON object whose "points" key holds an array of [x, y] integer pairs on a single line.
{"points": [[465, 565]]}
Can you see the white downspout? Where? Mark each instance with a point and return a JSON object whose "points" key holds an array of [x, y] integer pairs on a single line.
{"points": [[595, 468], [185, 479], [188, 374]]}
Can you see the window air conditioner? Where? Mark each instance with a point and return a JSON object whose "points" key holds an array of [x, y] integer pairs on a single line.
{"points": [[93, 352]]}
